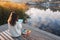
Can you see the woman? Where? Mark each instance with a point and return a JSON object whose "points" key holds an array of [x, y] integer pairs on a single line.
{"points": [[14, 26]]}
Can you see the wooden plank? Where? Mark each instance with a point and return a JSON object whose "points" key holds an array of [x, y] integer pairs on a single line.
{"points": [[8, 34], [1, 38], [7, 31], [4, 36]]}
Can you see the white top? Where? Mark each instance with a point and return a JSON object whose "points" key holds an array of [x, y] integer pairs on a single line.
{"points": [[15, 31]]}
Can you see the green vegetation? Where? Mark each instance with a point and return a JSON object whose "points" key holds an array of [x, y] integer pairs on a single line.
{"points": [[5, 12]]}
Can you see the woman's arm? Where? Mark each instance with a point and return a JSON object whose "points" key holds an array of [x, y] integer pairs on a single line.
{"points": [[9, 18]]}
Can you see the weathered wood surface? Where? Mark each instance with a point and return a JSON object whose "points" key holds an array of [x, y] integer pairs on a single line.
{"points": [[36, 34]]}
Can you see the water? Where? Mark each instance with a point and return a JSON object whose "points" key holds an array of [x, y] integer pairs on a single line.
{"points": [[45, 19], [20, 20]]}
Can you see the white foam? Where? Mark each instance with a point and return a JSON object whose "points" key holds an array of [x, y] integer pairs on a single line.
{"points": [[35, 13]]}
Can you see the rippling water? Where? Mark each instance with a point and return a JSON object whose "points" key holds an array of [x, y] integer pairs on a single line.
{"points": [[45, 19]]}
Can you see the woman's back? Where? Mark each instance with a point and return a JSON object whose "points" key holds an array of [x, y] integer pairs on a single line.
{"points": [[15, 30]]}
